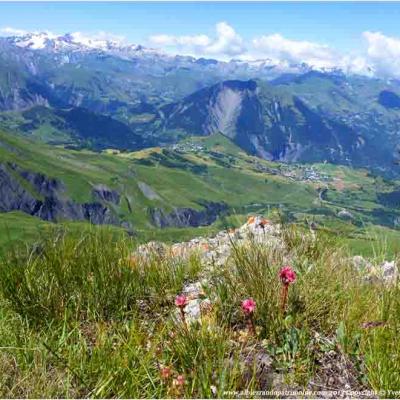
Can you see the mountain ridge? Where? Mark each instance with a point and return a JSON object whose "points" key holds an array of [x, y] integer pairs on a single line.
{"points": [[151, 99], [268, 121]]}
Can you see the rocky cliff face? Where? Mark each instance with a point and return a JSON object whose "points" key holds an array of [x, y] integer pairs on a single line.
{"points": [[44, 197], [262, 121], [188, 217], [13, 196], [214, 109], [103, 193], [38, 195]]}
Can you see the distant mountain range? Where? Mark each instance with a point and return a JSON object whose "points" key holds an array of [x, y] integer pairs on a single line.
{"points": [[100, 94], [73, 42], [312, 118], [102, 74]]}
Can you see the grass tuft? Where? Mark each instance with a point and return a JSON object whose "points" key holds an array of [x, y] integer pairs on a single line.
{"points": [[82, 317]]}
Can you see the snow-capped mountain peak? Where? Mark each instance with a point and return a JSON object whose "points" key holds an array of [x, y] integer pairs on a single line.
{"points": [[33, 41], [75, 41]]}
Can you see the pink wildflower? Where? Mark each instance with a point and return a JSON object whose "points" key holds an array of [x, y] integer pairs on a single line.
{"points": [[165, 372], [179, 381], [248, 306], [181, 301], [287, 275]]}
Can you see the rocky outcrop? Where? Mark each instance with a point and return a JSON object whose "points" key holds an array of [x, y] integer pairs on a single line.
{"points": [[99, 214], [44, 197], [148, 191], [54, 209], [220, 250], [188, 217], [103, 193], [13, 195], [216, 250], [344, 214], [386, 271], [333, 368], [42, 184]]}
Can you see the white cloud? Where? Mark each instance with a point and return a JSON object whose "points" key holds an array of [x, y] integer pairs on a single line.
{"points": [[226, 43], [279, 48], [9, 31], [355, 64], [381, 56], [182, 41], [383, 53]]}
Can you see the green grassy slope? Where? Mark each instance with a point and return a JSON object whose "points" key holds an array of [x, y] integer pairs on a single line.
{"points": [[199, 169], [84, 318]]}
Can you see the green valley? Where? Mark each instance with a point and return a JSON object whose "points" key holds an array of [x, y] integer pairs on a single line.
{"points": [[193, 173]]}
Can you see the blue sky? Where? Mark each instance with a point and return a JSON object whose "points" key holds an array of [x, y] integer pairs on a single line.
{"points": [[337, 24], [359, 33]]}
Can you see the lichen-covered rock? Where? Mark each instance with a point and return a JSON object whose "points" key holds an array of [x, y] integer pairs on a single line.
{"points": [[257, 363], [336, 377], [386, 272], [198, 305], [216, 251], [151, 251], [389, 271], [361, 264]]}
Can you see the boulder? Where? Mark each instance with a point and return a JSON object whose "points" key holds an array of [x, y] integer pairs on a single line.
{"points": [[386, 272], [389, 271], [344, 214]]}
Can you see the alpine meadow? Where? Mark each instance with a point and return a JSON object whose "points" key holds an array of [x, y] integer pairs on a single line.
{"points": [[199, 200]]}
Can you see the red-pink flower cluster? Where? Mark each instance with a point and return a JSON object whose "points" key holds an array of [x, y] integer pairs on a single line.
{"points": [[181, 301], [179, 381], [248, 306], [287, 275], [165, 372]]}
